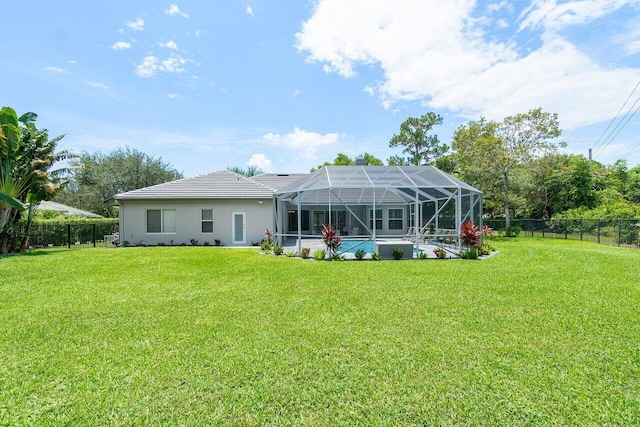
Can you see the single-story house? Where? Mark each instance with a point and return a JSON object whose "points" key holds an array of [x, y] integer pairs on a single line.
{"points": [[366, 201], [219, 206]]}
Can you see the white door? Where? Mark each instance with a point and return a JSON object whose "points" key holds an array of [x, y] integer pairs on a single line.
{"points": [[239, 227]]}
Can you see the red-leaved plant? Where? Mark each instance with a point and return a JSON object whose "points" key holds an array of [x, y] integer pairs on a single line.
{"points": [[330, 239], [269, 234], [487, 231], [469, 234]]}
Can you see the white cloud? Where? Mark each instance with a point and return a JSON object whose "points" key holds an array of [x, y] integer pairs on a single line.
{"points": [[98, 85], [175, 10], [633, 47], [174, 96], [296, 93], [304, 142], [174, 64], [121, 45], [198, 33], [57, 70], [262, 162], [553, 16], [151, 65], [72, 61], [441, 55], [169, 45], [137, 25], [249, 10]]}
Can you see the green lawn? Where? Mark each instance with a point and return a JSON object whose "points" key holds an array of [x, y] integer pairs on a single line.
{"points": [[547, 332]]}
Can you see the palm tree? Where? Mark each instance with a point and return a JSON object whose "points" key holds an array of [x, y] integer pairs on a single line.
{"points": [[9, 143], [27, 178]]}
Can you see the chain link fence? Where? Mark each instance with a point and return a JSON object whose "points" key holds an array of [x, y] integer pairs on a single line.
{"points": [[618, 232]]}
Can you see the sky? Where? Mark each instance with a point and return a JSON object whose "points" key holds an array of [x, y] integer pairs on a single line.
{"points": [[286, 85]]}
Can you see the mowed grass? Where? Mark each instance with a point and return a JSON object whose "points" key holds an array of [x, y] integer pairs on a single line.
{"points": [[545, 333]]}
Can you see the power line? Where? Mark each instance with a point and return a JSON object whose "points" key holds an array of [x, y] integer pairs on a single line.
{"points": [[622, 122], [600, 141]]}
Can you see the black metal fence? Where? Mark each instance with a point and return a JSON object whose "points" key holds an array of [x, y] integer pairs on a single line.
{"points": [[619, 232], [71, 235]]}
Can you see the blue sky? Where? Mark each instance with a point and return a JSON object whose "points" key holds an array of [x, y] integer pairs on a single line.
{"points": [[286, 85]]}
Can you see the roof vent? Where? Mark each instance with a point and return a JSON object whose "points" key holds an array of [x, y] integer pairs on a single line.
{"points": [[359, 161]]}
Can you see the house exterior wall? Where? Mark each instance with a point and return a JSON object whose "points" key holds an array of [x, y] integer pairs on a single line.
{"points": [[188, 224]]}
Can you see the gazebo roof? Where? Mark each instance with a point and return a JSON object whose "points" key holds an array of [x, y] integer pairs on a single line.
{"points": [[363, 183]]}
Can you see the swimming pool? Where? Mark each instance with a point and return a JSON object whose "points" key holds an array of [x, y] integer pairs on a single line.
{"points": [[352, 245]]}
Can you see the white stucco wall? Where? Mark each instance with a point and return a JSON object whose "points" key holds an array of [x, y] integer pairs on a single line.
{"points": [[258, 217]]}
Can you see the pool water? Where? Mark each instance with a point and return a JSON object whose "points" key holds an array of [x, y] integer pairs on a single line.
{"points": [[351, 246]]}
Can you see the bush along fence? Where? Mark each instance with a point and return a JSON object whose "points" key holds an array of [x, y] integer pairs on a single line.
{"points": [[71, 234], [619, 232]]}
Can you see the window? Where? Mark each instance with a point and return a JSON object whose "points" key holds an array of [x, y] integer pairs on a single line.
{"points": [[161, 221], [378, 219], [396, 219], [207, 220]]}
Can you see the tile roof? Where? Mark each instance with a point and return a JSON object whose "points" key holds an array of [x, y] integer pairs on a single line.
{"points": [[222, 184]]}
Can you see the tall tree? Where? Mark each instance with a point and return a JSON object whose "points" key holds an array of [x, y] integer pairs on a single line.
{"points": [[248, 172], [502, 148], [27, 174], [97, 177], [344, 160], [416, 142], [9, 144]]}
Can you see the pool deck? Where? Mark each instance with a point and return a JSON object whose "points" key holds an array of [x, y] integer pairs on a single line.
{"points": [[291, 244]]}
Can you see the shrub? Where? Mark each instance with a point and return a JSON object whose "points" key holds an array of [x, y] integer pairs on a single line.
{"points": [[337, 257], [277, 250], [422, 255], [469, 234], [376, 256], [330, 238], [206, 244], [484, 249], [440, 253], [487, 231], [266, 246], [217, 241], [161, 244], [268, 234], [397, 253], [304, 252], [255, 243], [194, 242], [360, 254], [319, 254], [513, 231], [290, 254], [470, 254]]}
